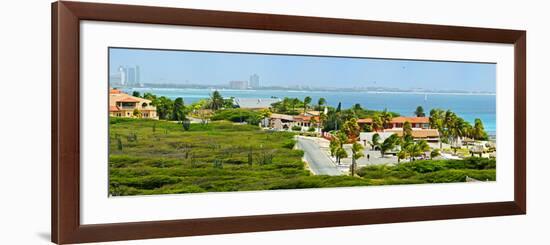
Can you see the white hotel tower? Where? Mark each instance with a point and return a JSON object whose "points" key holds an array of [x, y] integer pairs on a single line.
{"points": [[122, 72]]}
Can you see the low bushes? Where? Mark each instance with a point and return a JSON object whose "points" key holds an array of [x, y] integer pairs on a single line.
{"points": [[238, 115], [169, 160], [433, 171]]}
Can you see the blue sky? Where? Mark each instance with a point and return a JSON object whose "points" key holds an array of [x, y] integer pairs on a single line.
{"points": [[167, 66]]}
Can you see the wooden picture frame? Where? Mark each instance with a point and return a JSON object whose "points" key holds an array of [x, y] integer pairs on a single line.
{"points": [[66, 226]]}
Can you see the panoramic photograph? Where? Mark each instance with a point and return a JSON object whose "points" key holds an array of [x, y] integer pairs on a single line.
{"points": [[183, 121]]}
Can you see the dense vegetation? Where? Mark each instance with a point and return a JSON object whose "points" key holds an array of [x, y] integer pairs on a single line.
{"points": [[161, 157], [431, 171], [241, 115]]}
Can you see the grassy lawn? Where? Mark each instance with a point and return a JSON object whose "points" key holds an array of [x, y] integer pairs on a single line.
{"points": [[159, 157]]}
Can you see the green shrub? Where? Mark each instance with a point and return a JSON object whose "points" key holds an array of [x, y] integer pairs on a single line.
{"points": [[217, 156], [289, 144], [238, 115], [296, 128]]}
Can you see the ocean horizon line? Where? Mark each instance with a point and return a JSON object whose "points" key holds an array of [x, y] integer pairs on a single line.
{"points": [[319, 90]]}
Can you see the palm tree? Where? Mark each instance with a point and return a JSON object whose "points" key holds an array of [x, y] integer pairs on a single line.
{"points": [[423, 146], [436, 119], [434, 153], [377, 123], [402, 154], [216, 100], [307, 100], [413, 151], [478, 131], [468, 130], [333, 146], [322, 101], [375, 141], [357, 108], [419, 112], [164, 107], [340, 152], [178, 110], [456, 131], [417, 149], [407, 129], [389, 144], [337, 115], [356, 153], [313, 123], [294, 102], [386, 118], [351, 128], [436, 122], [322, 119]]}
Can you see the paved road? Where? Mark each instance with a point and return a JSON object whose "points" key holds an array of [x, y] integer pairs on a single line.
{"points": [[319, 163]]}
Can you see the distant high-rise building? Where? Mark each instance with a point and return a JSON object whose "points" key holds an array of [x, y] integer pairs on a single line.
{"points": [[138, 75], [238, 84], [254, 81], [131, 74], [122, 72]]}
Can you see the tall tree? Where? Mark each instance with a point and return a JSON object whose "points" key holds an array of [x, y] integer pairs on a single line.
{"points": [[407, 129], [356, 153], [357, 107], [437, 122], [307, 100], [351, 128], [164, 107], [322, 101], [436, 118], [178, 110], [402, 154], [294, 102], [478, 131], [150, 96], [416, 149], [216, 100], [337, 114], [386, 118], [435, 153], [419, 112], [313, 123], [389, 144], [377, 123], [135, 94], [341, 152], [375, 141]]}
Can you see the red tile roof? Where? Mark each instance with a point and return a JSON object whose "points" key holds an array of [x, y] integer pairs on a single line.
{"points": [[422, 133], [399, 120], [364, 120], [411, 119], [114, 108], [127, 99]]}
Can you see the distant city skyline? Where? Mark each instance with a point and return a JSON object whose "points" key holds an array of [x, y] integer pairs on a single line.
{"points": [[258, 70]]}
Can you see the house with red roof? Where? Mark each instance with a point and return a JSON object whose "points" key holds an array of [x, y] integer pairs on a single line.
{"points": [[125, 105]]}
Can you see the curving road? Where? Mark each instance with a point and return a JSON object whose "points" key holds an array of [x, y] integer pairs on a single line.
{"points": [[318, 161]]}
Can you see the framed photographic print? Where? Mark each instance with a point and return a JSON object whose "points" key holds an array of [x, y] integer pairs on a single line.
{"points": [[176, 122]]}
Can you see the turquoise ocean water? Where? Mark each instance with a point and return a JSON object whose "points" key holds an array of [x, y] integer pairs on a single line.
{"points": [[467, 106]]}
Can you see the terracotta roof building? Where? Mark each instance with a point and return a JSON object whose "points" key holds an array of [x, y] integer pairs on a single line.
{"points": [[125, 105], [397, 122]]}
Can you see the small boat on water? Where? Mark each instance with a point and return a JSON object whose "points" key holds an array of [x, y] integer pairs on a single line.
{"points": [[425, 97]]}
